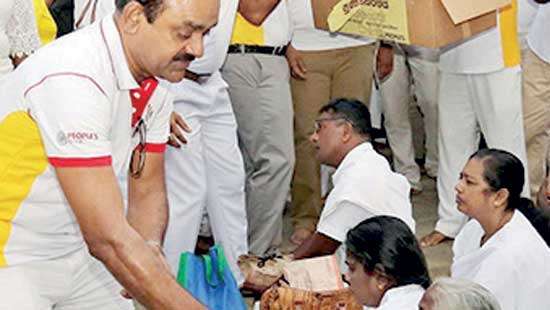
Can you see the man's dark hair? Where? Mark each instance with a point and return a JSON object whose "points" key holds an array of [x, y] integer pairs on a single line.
{"points": [[152, 8], [387, 244], [353, 111]]}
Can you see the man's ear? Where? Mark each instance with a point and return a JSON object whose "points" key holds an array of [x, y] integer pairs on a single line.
{"points": [[348, 132], [132, 17]]}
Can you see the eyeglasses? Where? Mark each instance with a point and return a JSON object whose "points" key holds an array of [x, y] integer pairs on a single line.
{"points": [[317, 126], [137, 160]]}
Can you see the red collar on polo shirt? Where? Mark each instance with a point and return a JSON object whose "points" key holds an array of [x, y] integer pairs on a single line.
{"points": [[140, 96]]}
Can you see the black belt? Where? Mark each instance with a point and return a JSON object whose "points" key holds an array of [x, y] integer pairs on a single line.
{"points": [[256, 49]]}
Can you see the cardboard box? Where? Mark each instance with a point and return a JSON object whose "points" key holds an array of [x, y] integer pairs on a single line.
{"points": [[429, 23]]}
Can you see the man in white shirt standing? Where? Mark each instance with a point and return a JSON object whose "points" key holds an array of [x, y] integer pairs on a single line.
{"points": [[258, 77], [536, 96], [205, 170], [324, 66], [479, 92], [414, 74], [364, 184]]}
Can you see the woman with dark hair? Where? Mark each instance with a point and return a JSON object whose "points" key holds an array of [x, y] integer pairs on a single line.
{"points": [[387, 269], [499, 248]]}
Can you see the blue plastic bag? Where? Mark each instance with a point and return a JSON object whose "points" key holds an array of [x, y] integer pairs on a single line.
{"points": [[209, 279]]}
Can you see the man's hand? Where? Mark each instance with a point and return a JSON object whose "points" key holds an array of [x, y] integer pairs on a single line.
{"points": [[297, 66], [177, 124], [384, 62], [94, 196]]}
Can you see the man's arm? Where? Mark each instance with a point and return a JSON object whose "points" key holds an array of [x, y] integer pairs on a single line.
{"points": [[316, 245], [147, 202], [256, 11], [95, 198]]}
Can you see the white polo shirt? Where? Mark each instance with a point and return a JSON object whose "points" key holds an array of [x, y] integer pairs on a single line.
{"points": [[539, 37], [68, 105], [364, 186], [305, 37]]}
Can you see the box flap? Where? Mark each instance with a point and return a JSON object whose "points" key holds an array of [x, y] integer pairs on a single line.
{"points": [[463, 10]]}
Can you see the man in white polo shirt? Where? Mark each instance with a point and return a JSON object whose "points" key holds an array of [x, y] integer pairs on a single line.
{"points": [[536, 96], [364, 184], [479, 92], [77, 115]]}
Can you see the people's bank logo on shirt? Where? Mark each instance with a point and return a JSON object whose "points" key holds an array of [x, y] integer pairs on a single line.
{"points": [[76, 137]]}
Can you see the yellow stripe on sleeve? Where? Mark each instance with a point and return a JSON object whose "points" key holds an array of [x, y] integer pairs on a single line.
{"points": [[508, 21], [22, 160]]}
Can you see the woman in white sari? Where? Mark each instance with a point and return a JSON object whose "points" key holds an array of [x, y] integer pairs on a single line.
{"points": [[18, 33], [386, 267], [499, 248]]}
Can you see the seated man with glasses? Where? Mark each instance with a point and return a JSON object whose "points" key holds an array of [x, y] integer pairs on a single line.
{"points": [[364, 185]]}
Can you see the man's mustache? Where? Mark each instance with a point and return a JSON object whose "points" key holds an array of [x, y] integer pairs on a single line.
{"points": [[183, 57]]}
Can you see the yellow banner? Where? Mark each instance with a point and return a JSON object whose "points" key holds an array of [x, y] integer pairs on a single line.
{"points": [[380, 19]]}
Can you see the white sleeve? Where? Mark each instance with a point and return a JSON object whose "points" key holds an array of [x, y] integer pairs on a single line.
{"points": [[74, 118], [21, 28], [343, 217], [159, 127]]}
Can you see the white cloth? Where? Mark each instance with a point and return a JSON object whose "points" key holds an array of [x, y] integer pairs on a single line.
{"points": [[412, 77], [207, 172], [306, 37], [18, 31], [364, 186], [88, 11], [404, 297], [527, 11], [512, 264], [482, 53], [277, 26], [73, 282], [468, 104], [538, 33], [81, 105]]}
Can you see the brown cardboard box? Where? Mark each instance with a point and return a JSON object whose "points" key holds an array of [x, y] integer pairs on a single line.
{"points": [[429, 23]]}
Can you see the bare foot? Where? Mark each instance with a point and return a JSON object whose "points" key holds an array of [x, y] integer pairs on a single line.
{"points": [[300, 235], [432, 239]]}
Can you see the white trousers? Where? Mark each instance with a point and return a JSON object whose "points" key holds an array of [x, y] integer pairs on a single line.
{"points": [[207, 173], [76, 281], [469, 104], [421, 81]]}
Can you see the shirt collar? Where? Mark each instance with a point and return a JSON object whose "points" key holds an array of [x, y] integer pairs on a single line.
{"points": [[400, 294], [349, 158], [119, 64]]}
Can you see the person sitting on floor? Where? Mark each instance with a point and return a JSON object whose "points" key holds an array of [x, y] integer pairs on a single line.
{"points": [[364, 185], [457, 294], [387, 269], [499, 248]]}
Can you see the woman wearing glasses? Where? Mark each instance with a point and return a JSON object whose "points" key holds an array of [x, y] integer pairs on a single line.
{"points": [[387, 269], [499, 248]]}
